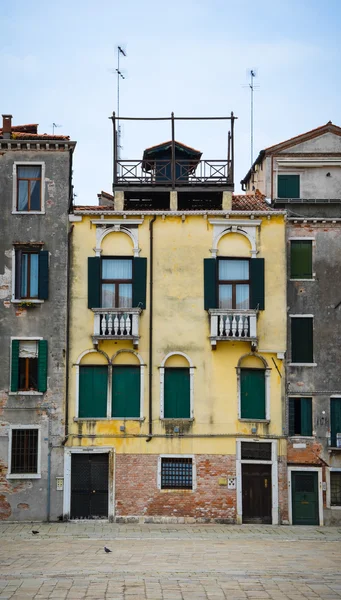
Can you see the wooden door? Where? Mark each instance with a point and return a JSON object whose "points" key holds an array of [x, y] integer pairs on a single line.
{"points": [[305, 509], [89, 486], [256, 491]]}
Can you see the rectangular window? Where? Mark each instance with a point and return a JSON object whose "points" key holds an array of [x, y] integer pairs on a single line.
{"points": [[24, 451], [288, 186], [176, 473], [335, 488], [29, 366], [234, 283], [117, 283], [255, 451], [300, 416], [252, 394], [93, 391], [31, 273], [177, 403], [302, 340], [126, 391], [29, 188], [335, 422], [301, 264]]}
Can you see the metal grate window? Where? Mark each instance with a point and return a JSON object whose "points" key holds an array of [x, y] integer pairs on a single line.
{"points": [[256, 451], [335, 488], [176, 473], [24, 457]]}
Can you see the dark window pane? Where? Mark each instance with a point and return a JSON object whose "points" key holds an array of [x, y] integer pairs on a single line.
{"points": [[302, 340], [28, 374], [255, 451], [23, 195], [300, 416], [35, 195], [24, 276], [24, 456], [335, 488], [176, 473], [301, 259]]}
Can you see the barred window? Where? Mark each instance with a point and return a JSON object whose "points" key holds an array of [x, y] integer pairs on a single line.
{"points": [[24, 452], [335, 488], [176, 473], [256, 451]]}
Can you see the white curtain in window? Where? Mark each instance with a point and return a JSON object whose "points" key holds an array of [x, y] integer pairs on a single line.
{"points": [[23, 195], [29, 172], [242, 296], [225, 296], [115, 268], [233, 270], [125, 295], [28, 349]]}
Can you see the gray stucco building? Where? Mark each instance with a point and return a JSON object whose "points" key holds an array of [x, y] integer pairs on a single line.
{"points": [[35, 192], [303, 175]]}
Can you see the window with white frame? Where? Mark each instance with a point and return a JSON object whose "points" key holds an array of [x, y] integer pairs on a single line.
{"points": [[176, 387], [24, 451], [28, 187], [31, 268], [176, 473]]}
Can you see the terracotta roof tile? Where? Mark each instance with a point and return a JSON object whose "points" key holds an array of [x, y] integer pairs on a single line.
{"points": [[30, 131]]}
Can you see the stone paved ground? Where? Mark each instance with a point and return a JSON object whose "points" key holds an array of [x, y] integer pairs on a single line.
{"points": [[169, 562]]}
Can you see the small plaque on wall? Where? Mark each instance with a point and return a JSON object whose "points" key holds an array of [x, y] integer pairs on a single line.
{"points": [[222, 481]]}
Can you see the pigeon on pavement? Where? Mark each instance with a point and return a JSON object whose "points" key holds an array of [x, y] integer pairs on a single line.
{"points": [[107, 550], [34, 531]]}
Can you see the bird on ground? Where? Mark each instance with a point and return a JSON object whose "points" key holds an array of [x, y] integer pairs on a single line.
{"points": [[34, 531], [107, 550]]}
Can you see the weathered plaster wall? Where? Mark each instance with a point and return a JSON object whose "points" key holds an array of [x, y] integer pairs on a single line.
{"points": [[27, 499]]}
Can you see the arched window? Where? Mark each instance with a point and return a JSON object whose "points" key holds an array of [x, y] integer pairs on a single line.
{"points": [[254, 388], [92, 385], [127, 386], [176, 387]]}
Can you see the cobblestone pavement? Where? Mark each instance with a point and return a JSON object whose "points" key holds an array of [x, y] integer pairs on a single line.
{"points": [[169, 562]]}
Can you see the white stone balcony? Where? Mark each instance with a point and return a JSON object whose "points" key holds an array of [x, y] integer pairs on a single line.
{"points": [[116, 324], [233, 325]]}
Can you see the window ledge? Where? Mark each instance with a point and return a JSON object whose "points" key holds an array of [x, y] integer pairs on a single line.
{"points": [[23, 476], [176, 419], [334, 449], [302, 364], [254, 420], [109, 419], [27, 301], [299, 437], [177, 491], [332, 507], [299, 279], [19, 393], [28, 212]]}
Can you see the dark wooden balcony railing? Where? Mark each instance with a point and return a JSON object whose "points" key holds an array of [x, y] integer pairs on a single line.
{"points": [[160, 173]]}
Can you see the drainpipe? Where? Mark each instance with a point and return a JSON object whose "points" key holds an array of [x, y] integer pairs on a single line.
{"points": [[67, 353], [49, 442], [151, 247]]}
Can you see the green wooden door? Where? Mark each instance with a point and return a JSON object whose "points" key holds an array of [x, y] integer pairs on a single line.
{"points": [[305, 509], [335, 419], [93, 385], [126, 391], [177, 394], [252, 384]]}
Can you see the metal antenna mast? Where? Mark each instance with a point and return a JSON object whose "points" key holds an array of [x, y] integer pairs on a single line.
{"points": [[54, 125], [251, 85], [119, 77]]}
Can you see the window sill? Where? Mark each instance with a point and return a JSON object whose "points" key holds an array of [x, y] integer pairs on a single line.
{"points": [[334, 449], [108, 419], [23, 476], [19, 393], [302, 364], [266, 421], [28, 212], [334, 507], [27, 301], [176, 419], [177, 491], [299, 279]]}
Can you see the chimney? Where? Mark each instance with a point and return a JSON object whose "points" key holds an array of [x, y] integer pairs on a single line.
{"points": [[6, 126]]}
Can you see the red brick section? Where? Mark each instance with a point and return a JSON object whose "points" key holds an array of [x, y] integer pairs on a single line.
{"points": [[283, 490], [310, 455], [137, 493]]}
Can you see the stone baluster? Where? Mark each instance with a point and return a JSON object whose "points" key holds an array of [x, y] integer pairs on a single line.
{"points": [[122, 323], [128, 324], [234, 326], [240, 325], [116, 324], [109, 323], [104, 324], [221, 326]]}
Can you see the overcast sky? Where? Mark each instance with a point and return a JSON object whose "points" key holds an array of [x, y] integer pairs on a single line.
{"points": [[186, 56]]}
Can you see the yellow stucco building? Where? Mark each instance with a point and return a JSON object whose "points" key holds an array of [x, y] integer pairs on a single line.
{"points": [[176, 352]]}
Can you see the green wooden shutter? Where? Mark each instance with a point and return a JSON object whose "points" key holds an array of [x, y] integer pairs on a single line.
{"points": [[292, 402], [139, 282], [335, 419], [42, 365], [210, 283], [94, 282], [126, 389], [177, 403], [288, 186], [257, 295], [43, 283], [306, 416], [93, 391], [15, 366], [301, 266], [302, 340], [252, 386]]}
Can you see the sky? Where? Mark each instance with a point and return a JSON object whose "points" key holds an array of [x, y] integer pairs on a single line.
{"points": [[192, 57]]}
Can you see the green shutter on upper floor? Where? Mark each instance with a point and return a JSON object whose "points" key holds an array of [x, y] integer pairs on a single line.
{"points": [[301, 266], [93, 391], [177, 404], [302, 340], [139, 282], [335, 420], [210, 283], [126, 390], [288, 186], [292, 416], [43, 278], [94, 282], [15, 366], [42, 365], [306, 416], [257, 284], [252, 394]]}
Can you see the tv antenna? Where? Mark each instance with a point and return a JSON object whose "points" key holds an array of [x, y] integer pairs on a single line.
{"points": [[120, 76], [54, 125]]}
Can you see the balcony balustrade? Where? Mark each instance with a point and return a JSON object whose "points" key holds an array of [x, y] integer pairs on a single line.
{"points": [[116, 324], [233, 325]]}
